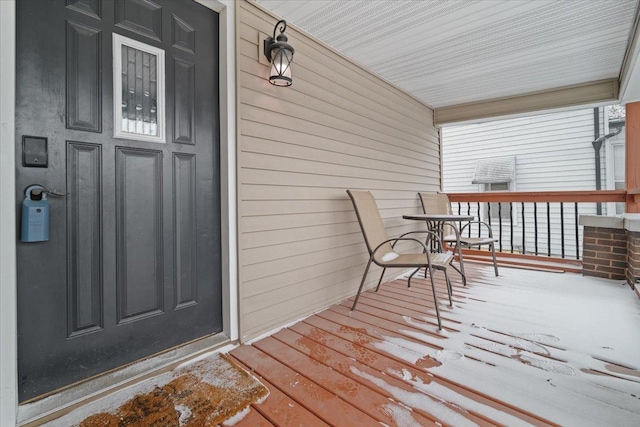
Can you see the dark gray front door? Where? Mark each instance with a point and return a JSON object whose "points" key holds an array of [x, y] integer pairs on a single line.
{"points": [[132, 264]]}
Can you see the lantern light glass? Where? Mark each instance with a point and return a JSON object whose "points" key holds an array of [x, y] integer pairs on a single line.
{"points": [[280, 54]]}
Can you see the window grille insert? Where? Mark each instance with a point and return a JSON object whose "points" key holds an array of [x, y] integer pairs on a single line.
{"points": [[138, 90]]}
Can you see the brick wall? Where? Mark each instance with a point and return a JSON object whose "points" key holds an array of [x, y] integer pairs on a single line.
{"points": [[605, 252], [633, 256]]}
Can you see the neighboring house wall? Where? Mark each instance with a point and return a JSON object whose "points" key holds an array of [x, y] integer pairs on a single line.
{"points": [[553, 153], [299, 148]]}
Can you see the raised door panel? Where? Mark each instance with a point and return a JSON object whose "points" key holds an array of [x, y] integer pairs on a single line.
{"points": [[92, 8], [143, 17], [139, 245], [84, 73], [183, 36], [84, 236], [183, 101], [185, 251]]}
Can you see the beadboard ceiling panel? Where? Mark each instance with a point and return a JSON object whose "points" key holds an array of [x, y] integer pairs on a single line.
{"points": [[449, 52]]}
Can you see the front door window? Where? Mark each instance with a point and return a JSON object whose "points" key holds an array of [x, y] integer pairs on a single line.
{"points": [[138, 86]]}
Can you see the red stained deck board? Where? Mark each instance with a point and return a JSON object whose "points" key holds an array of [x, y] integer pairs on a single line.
{"points": [[344, 365], [282, 410], [377, 328], [419, 289], [370, 325], [324, 404], [379, 302], [349, 327], [393, 329], [252, 419], [423, 288], [360, 336], [388, 318], [386, 364], [420, 308], [340, 340], [377, 317], [414, 293], [394, 304], [356, 394]]}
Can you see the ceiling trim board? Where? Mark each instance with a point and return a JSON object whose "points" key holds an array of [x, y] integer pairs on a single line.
{"points": [[587, 93], [631, 63]]}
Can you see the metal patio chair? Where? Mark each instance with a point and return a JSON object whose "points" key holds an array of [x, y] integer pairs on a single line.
{"points": [[439, 203], [381, 252]]}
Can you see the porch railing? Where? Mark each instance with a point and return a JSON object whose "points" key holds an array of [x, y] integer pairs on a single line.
{"points": [[533, 223]]}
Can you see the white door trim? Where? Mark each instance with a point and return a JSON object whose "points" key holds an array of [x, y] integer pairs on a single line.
{"points": [[8, 231], [8, 301], [228, 189]]}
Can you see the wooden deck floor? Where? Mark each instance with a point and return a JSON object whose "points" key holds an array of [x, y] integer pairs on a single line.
{"points": [[526, 348]]}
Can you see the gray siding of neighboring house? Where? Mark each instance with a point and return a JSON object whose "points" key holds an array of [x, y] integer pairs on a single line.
{"points": [[299, 148], [553, 153]]}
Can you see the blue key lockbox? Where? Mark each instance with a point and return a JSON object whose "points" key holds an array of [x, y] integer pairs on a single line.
{"points": [[35, 215]]}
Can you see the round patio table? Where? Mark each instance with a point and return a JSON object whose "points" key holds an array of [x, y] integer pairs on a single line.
{"points": [[436, 223]]}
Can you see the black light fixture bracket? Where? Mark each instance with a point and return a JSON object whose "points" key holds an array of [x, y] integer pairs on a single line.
{"points": [[274, 42]]}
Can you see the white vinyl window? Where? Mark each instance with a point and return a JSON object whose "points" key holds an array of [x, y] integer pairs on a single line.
{"points": [[496, 174], [497, 210], [138, 90]]}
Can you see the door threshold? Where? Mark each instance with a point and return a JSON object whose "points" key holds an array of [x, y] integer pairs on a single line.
{"points": [[63, 401]]}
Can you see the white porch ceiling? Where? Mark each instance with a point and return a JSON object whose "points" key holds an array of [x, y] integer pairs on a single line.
{"points": [[449, 52]]}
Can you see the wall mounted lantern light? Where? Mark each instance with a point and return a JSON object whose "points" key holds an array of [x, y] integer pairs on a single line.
{"points": [[280, 54]]}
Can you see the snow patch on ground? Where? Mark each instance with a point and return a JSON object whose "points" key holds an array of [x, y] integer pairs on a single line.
{"points": [[215, 372], [110, 403], [185, 414], [419, 400], [237, 417], [531, 338], [550, 366], [446, 394], [400, 415]]}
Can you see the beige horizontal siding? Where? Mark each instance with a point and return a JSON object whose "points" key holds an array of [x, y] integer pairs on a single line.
{"points": [[300, 148]]}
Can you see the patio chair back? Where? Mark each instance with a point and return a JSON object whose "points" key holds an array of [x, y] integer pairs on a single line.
{"points": [[435, 203], [370, 221]]}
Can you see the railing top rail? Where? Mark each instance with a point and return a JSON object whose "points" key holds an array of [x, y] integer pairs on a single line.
{"points": [[541, 196]]}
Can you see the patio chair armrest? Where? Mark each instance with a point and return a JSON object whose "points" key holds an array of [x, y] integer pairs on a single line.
{"points": [[397, 239], [478, 222], [431, 233]]}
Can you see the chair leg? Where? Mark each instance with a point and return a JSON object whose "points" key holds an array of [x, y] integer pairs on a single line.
{"points": [[381, 276], [366, 270], [435, 298], [412, 274], [449, 288], [495, 262], [464, 281], [464, 277]]}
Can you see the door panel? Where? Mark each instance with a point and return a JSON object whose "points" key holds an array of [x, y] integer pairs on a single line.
{"points": [[184, 206], [139, 237], [132, 264], [84, 237], [84, 57]]}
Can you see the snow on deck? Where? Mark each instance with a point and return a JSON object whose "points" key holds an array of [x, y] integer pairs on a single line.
{"points": [[525, 348]]}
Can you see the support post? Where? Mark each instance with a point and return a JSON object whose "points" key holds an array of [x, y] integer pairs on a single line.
{"points": [[632, 157]]}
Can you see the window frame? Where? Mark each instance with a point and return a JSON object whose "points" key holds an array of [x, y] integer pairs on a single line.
{"points": [[511, 217], [119, 41]]}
